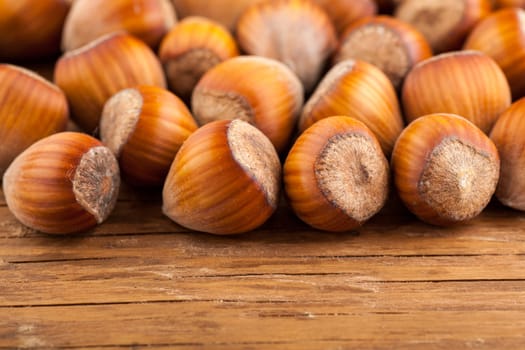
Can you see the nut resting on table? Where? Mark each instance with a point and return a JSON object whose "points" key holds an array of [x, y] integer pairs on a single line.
{"points": [[229, 109]]}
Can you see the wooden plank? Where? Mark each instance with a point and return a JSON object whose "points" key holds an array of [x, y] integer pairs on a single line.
{"points": [[224, 323], [140, 212], [120, 280], [372, 240]]}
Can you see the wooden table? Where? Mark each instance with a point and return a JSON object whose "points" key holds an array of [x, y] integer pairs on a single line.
{"points": [[143, 282]]}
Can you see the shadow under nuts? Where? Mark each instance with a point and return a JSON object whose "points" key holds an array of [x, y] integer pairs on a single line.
{"points": [[445, 169], [336, 176], [225, 179], [64, 183]]}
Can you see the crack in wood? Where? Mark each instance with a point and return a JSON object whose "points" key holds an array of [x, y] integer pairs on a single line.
{"points": [[320, 257]]}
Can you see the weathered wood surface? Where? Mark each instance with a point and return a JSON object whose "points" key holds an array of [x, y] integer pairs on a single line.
{"points": [[140, 281], [143, 282]]}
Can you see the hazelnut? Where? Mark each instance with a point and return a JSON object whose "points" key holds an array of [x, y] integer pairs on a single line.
{"points": [[336, 176], [32, 108], [445, 169], [296, 32], [500, 37], [261, 91], [225, 12], [466, 83], [507, 135], [445, 23], [192, 48], [224, 180], [359, 90], [29, 29], [64, 183], [144, 127], [389, 44], [346, 12], [90, 75], [88, 20]]}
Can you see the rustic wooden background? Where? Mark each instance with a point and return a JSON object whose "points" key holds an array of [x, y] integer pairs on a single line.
{"points": [[141, 281]]}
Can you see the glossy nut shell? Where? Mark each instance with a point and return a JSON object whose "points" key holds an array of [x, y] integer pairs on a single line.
{"points": [[466, 83], [500, 37], [224, 180], [32, 108], [31, 30], [148, 20], [89, 76], [507, 134], [144, 127], [359, 90], [64, 183], [259, 90]]}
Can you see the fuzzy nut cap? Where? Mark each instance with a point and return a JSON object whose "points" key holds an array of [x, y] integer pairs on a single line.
{"points": [[144, 127], [258, 90], [336, 176], [445, 169], [64, 183]]}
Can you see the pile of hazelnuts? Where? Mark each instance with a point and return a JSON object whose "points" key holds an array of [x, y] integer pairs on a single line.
{"points": [[228, 104]]}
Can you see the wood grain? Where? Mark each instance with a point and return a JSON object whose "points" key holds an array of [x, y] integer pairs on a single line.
{"points": [[141, 281]]}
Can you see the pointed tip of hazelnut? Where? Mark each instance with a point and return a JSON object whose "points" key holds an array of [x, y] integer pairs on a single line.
{"points": [[96, 182]]}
